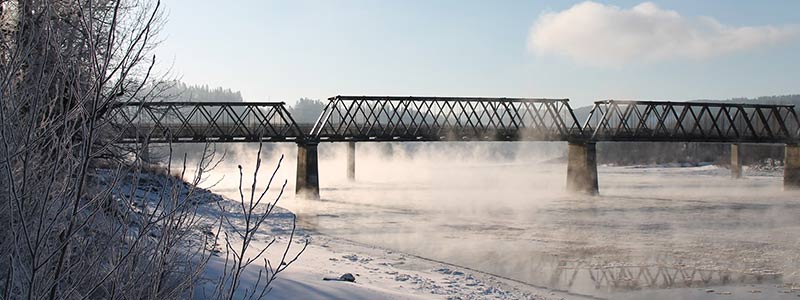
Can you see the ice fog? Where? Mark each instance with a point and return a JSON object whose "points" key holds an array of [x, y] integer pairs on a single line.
{"points": [[655, 231]]}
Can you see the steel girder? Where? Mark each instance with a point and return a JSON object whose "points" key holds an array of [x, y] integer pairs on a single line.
{"points": [[385, 118], [200, 122], [664, 121]]}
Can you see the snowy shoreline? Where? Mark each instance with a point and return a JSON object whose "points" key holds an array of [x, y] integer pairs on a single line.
{"points": [[382, 272], [385, 274], [379, 273]]}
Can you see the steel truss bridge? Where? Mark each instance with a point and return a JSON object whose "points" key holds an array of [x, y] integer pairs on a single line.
{"points": [[202, 122], [426, 119], [406, 119], [661, 121]]}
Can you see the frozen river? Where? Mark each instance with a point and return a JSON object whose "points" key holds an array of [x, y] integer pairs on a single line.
{"points": [[654, 232]]}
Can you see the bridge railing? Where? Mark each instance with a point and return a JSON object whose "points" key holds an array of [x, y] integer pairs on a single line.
{"points": [[189, 122], [385, 118], [615, 120]]}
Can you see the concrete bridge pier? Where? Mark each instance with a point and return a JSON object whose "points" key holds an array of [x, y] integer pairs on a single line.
{"points": [[351, 161], [582, 168], [307, 183], [791, 167], [736, 161]]}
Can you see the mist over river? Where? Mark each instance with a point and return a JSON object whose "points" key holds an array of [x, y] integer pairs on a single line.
{"points": [[657, 232]]}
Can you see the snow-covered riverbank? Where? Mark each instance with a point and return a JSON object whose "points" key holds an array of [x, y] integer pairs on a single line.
{"points": [[380, 273], [694, 225]]}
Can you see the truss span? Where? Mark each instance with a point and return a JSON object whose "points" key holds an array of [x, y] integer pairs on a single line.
{"points": [[664, 121], [200, 122], [384, 118]]}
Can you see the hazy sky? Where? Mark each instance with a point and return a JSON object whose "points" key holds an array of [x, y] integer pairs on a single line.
{"points": [[585, 51]]}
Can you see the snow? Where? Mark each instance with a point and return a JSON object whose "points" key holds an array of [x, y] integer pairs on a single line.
{"points": [[379, 273], [515, 221], [484, 218]]}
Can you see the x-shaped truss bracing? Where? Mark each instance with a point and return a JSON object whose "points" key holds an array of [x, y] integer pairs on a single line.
{"points": [[653, 275], [200, 122], [383, 118], [613, 120]]}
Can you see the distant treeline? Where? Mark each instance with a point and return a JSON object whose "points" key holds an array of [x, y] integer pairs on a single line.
{"points": [[306, 110], [783, 99], [631, 153], [177, 91]]}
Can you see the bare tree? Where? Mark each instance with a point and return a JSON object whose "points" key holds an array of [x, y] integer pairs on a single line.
{"points": [[64, 65], [251, 211], [80, 218]]}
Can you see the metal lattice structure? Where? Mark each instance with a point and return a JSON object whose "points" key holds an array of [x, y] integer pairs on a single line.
{"points": [[635, 277], [642, 121], [200, 122], [384, 118]]}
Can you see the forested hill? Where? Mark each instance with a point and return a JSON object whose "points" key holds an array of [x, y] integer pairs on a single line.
{"points": [[181, 92], [784, 99], [305, 110]]}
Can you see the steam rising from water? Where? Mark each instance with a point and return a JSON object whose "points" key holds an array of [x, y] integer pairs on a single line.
{"points": [[501, 208]]}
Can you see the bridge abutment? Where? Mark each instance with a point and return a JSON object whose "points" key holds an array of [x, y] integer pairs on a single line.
{"points": [[351, 161], [582, 168], [307, 182], [791, 167], [736, 161]]}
